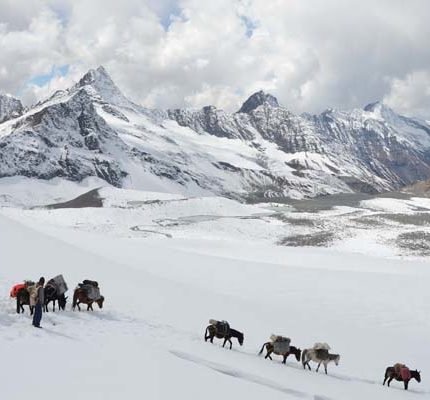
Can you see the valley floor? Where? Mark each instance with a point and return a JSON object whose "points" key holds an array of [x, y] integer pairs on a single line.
{"points": [[164, 280]]}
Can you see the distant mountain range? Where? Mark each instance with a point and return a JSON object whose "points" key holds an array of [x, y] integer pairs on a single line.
{"points": [[261, 151]]}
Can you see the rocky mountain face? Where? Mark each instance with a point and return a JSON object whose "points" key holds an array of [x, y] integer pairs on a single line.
{"points": [[261, 151], [10, 107]]}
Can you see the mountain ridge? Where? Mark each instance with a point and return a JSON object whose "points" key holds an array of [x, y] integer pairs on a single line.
{"points": [[263, 150]]}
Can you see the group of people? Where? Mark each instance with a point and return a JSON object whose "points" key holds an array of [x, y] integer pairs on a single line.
{"points": [[38, 296]]}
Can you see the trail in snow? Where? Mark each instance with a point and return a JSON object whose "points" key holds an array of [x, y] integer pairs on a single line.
{"points": [[224, 369]]}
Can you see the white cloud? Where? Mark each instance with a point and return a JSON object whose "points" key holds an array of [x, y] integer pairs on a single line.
{"points": [[411, 95], [311, 54]]}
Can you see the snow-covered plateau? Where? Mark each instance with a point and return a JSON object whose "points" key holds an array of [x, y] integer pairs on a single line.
{"points": [[349, 270]]}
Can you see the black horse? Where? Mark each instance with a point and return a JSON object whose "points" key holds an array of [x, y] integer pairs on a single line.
{"points": [[270, 348], [211, 333], [23, 299], [52, 295], [391, 373]]}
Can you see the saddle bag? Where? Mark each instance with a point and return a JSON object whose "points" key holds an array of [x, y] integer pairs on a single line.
{"points": [[322, 354], [93, 293], [281, 344], [89, 282], [222, 327], [16, 288], [60, 284]]}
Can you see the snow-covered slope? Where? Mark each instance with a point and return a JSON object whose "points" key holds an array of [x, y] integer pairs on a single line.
{"points": [[10, 107], [263, 150], [160, 292]]}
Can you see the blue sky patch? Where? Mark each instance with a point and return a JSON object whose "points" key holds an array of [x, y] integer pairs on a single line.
{"points": [[250, 25], [167, 17], [43, 79]]}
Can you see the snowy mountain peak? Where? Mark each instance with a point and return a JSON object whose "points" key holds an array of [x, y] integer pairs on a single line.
{"points": [[10, 107], [258, 99], [96, 76], [104, 86], [381, 110]]}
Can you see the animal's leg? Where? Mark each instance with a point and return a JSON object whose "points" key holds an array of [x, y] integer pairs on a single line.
{"points": [[79, 307], [225, 341], [285, 358], [406, 385], [389, 381], [212, 339], [268, 355], [306, 364], [325, 368], [385, 380], [318, 366], [231, 343]]}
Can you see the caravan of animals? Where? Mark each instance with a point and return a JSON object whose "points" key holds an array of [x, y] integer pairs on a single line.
{"points": [[88, 292]]}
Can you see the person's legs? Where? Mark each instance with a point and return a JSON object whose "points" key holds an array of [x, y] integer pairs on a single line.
{"points": [[37, 315]]}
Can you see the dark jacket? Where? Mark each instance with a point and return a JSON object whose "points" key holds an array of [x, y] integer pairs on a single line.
{"points": [[40, 295]]}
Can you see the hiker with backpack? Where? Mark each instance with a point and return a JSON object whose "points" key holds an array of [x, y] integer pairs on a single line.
{"points": [[37, 298]]}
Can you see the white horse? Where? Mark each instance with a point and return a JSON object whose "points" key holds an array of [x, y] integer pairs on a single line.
{"points": [[320, 357]]}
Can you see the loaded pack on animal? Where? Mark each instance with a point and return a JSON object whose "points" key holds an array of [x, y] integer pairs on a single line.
{"points": [[222, 330], [280, 346], [401, 373], [21, 292], [87, 292], [319, 354], [55, 290]]}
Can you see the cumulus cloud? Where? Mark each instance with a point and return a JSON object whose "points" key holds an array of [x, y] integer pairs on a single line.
{"points": [[411, 95], [174, 53]]}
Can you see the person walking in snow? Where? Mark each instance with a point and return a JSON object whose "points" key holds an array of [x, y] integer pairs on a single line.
{"points": [[38, 300]]}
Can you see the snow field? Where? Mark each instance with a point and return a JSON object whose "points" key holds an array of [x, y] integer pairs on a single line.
{"points": [[160, 293]]}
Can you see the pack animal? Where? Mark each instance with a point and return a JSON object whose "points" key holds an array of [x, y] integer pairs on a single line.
{"points": [[23, 299], [51, 294], [212, 331], [401, 373], [80, 296], [270, 349], [320, 357]]}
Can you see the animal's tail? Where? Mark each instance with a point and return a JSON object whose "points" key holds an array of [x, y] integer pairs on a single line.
{"points": [[304, 353], [206, 332], [75, 299], [262, 347]]}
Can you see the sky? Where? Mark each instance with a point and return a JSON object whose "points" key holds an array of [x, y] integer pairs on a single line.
{"points": [[311, 54]]}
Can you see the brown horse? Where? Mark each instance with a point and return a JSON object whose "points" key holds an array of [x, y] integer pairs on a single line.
{"points": [[271, 349], [211, 333], [391, 373], [80, 296], [23, 299]]}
